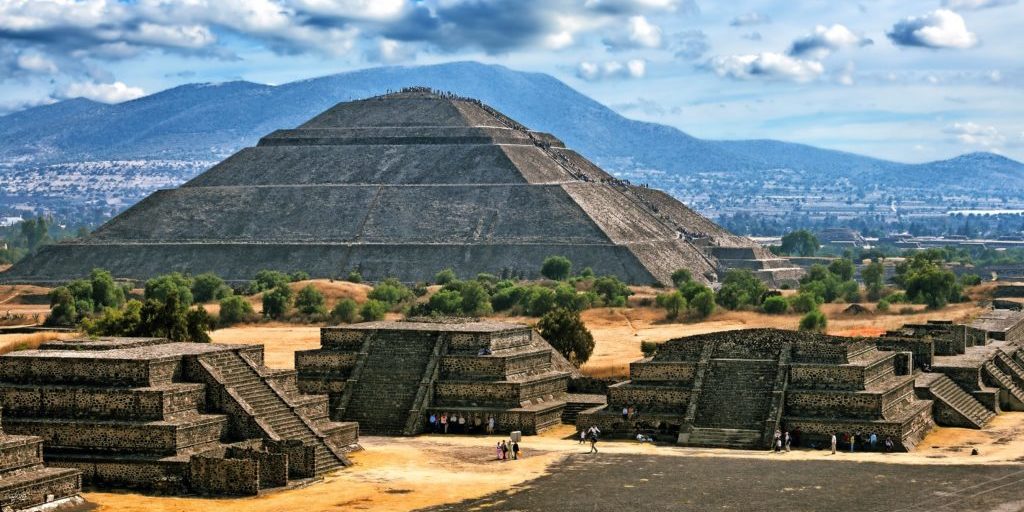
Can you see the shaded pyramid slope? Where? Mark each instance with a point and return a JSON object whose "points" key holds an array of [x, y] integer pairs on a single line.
{"points": [[403, 185]]}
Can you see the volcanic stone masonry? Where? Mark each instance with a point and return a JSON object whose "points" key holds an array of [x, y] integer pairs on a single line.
{"points": [[170, 417], [25, 483], [735, 389], [404, 185], [390, 376]]}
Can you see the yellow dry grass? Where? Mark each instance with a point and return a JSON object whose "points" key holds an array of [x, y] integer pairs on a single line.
{"points": [[12, 342]]}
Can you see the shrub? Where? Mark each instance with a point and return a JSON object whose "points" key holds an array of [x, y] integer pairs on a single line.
{"points": [[649, 348], [539, 300], [345, 311], [799, 243], [160, 287], [354, 277], [587, 273], [883, 306], [63, 310], [842, 268], [681, 277], [445, 276], [565, 331], [874, 276], [208, 287], [197, 325], [740, 288], [373, 310], [235, 309], [814, 321], [672, 302], [277, 302], [970, 279], [611, 290], [298, 275], [310, 301], [804, 302], [390, 292], [775, 305], [703, 303], [105, 292], [505, 298], [268, 280], [557, 268]]}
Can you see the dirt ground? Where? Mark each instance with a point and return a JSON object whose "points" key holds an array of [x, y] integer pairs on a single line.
{"points": [[402, 474]]}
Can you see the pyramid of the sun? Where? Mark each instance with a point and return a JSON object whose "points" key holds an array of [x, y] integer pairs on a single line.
{"points": [[404, 185]]}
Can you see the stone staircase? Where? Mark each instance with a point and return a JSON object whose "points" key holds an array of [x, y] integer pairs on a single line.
{"points": [[943, 390], [1006, 382], [725, 438], [25, 482], [273, 413], [385, 391], [737, 394], [577, 403], [425, 392]]}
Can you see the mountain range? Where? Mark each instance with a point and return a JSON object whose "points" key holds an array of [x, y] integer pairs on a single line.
{"points": [[210, 121]]}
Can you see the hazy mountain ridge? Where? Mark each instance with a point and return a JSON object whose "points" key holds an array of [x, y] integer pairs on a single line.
{"points": [[205, 121]]}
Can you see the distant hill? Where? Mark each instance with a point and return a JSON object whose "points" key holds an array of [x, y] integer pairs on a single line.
{"points": [[210, 121]]}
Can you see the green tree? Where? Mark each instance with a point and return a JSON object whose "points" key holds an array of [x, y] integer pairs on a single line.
{"points": [[355, 277], [703, 303], [842, 268], [235, 309], [198, 324], [63, 310], [105, 292], [612, 291], [800, 243], [209, 287], [310, 301], [373, 310], [775, 305], [681, 277], [390, 291], [557, 268], [446, 302], [740, 288], [814, 321], [165, 318], [475, 299], [345, 311], [565, 331], [35, 232], [268, 280], [883, 306], [445, 276], [298, 275], [161, 287], [926, 280], [874, 275], [277, 302], [125, 321], [804, 302], [539, 300], [673, 303]]}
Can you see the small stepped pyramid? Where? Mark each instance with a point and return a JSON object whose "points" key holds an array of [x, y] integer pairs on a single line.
{"points": [[24, 481], [390, 376], [954, 406], [170, 417], [1003, 380]]}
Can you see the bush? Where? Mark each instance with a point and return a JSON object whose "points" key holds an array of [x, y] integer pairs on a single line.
{"points": [[354, 277], [235, 309], [814, 321], [197, 325], [105, 292], [703, 303], [63, 310], [475, 299], [209, 287], [740, 288], [799, 243], [310, 301], [298, 275], [390, 292], [539, 300], [565, 331], [268, 280], [681, 277], [612, 291], [160, 287], [874, 276], [373, 310], [557, 268], [775, 305], [842, 268], [804, 302], [506, 298], [587, 273], [672, 302], [970, 280], [649, 348], [883, 306], [445, 276], [277, 302], [345, 311], [126, 321]]}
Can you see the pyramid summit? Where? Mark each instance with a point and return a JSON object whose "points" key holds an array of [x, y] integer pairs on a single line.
{"points": [[403, 185]]}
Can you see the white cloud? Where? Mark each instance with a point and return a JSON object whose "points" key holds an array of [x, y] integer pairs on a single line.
{"points": [[845, 77], [825, 40], [36, 63], [973, 134], [975, 5], [750, 18], [592, 71], [356, 9], [767, 65], [638, 33], [938, 29], [115, 92]]}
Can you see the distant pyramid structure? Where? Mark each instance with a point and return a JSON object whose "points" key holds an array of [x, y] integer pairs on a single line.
{"points": [[404, 185]]}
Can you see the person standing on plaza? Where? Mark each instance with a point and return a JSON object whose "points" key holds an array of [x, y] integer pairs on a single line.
{"points": [[833, 444]]}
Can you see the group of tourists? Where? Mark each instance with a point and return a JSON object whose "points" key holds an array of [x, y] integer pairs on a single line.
{"points": [[591, 434], [630, 413], [508, 450], [458, 423], [860, 441]]}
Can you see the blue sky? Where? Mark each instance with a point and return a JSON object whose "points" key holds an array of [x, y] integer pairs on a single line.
{"points": [[905, 80]]}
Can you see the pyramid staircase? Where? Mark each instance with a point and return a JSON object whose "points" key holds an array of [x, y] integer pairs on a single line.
{"points": [[969, 411], [279, 419], [725, 438]]}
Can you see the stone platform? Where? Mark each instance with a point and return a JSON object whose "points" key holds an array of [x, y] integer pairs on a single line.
{"points": [[24, 481], [170, 417], [391, 376]]}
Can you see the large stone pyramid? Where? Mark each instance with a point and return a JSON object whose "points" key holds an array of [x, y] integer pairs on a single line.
{"points": [[403, 185]]}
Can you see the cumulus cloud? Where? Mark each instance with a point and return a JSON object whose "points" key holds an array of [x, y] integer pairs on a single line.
{"points": [[593, 71], [942, 28], [637, 33], [973, 134], [825, 40], [690, 45], [115, 92], [767, 65], [750, 18], [976, 5], [36, 63]]}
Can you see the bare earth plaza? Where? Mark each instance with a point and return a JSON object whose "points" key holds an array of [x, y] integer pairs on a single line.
{"points": [[404, 411]]}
